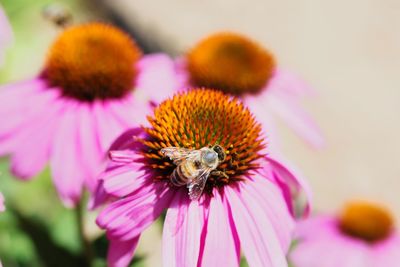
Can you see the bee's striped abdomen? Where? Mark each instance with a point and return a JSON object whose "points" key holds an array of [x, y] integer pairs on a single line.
{"points": [[184, 173]]}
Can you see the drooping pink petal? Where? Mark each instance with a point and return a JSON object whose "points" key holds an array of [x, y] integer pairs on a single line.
{"points": [[126, 218], [321, 243], [157, 89], [290, 84], [270, 198], [123, 156], [11, 95], [125, 180], [221, 248], [182, 74], [258, 238], [387, 252], [126, 140], [295, 188], [89, 146], [98, 198], [328, 253], [66, 162], [120, 153], [108, 128], [129, 111], [258, 108], [296, 118], [326, 225], [182, 232], [12, 132], [32, 153], [120, 253]]}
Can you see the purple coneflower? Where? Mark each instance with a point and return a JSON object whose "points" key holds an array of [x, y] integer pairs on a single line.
{"points": [[95, 84], [242, 203], [362, 235], [241, 67]]}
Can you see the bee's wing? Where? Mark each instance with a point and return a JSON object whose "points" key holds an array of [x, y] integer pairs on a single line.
{"points": [[196, 186], [179, 154]]}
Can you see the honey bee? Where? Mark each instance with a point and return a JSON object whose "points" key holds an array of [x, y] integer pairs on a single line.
{"points": [[193, 167], [57, 14]]}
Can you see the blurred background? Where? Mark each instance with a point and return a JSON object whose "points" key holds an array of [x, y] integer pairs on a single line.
{"points": [[348, 50]]}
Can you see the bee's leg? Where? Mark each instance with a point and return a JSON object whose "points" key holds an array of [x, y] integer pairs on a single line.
{"points": [[222, 176], [219, 174]]}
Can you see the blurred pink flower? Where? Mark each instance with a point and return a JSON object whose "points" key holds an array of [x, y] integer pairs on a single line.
{"points": [[95, 84], [249, 209], [6, 35], [362, 236], [239, 66]]}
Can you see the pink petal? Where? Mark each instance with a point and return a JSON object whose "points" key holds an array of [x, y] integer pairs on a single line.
{"points": [[23, 96], [320, 236], [296, 188], [182, 232], [91, 152], [296, 118], [123, 156], [66, 162], [326, 225], [130, 111], [258, 237], [12, 94], [120, 253], [157, 89], [108, 128], [270, 198], [220, 246], [33, 151], [182, 75], [126, 218], [386, 253], [258, 108], [98, 198], [125, 180], [25, 109], [288, 83], [125, 141], [330, 252]]}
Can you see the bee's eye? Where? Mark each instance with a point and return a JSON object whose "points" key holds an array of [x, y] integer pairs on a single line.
{"points": [[216, 148], [220, 152]]}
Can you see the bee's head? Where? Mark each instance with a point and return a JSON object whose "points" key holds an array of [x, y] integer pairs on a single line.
{"points": [[220, 151]]}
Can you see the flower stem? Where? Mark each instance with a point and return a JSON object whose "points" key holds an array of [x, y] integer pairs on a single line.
{"points": [[85, 243]]}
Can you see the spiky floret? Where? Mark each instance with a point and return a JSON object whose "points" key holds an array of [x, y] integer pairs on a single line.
{"points": [[92, 61], [230, 62], [366, 221], [199, 118]]}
